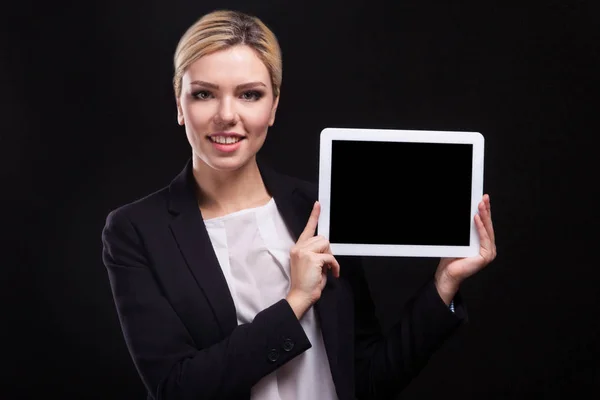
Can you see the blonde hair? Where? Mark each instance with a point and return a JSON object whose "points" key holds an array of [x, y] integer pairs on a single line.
{"points": [[223, 29]]}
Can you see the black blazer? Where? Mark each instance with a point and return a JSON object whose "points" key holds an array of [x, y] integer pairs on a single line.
{"points": [[179, 320]]}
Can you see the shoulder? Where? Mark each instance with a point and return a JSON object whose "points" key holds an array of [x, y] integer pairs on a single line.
{"points": [[303, 187], [151, 204], [301, 193], [280, 184], [155, 207]]}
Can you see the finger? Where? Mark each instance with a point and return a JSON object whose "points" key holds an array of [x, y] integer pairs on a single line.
{"points": [[488, 204], [486, 217], [331, 263], [316, 244], [485, 243], [311, 225]]}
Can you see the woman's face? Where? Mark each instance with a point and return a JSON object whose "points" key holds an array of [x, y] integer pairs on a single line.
{"points": [[227, 105]]}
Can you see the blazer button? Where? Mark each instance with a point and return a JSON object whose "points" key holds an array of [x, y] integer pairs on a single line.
{"points": [[273, 355], [288, 344]]}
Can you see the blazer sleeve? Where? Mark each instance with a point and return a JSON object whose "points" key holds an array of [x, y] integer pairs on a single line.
{"points": [[165, 355], [386, 363]]}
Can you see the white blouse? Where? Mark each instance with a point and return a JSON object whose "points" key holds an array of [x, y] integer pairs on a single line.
{"points": [[253, 249]]}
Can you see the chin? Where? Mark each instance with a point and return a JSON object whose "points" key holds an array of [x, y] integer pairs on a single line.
{"points": [[227, 164]]}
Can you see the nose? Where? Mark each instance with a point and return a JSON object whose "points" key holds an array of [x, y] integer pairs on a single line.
{"points": [[226, 113]]}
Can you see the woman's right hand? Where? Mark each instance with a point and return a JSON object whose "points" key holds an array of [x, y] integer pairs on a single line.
{"points": [[310, 258]]}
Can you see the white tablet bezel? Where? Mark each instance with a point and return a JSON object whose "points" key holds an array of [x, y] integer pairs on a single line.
{"points": [[391, 135]]}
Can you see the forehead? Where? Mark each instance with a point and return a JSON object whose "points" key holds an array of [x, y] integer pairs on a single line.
{"points": [[235, 65]]}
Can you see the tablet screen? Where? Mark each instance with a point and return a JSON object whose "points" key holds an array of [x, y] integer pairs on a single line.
{"points": [[408, 193]]}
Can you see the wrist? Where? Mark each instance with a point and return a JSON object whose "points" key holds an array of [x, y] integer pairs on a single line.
{"points": [[446, 286], [298, 303]]}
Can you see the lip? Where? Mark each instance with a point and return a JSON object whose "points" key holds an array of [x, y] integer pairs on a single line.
{"points": [[226, 148]]}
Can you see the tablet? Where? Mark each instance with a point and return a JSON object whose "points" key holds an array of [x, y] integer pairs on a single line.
{"points": [[407, 193]]}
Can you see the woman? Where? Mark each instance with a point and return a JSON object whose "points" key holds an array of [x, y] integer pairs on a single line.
{"points": [[222, 288]]}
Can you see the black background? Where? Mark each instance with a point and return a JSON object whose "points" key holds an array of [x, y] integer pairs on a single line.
{"points": [[89, 123]]}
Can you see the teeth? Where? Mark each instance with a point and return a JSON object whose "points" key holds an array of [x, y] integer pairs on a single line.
{"points": [[225, 139]]}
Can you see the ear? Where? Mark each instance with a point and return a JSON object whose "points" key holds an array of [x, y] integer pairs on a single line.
{"points": [[273, 111], [180, 119]]}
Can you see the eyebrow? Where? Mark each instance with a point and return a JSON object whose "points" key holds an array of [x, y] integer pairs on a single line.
{"points": [[238, 87]]}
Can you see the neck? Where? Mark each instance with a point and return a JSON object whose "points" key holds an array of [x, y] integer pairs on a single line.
{"points": [[223, 192]]}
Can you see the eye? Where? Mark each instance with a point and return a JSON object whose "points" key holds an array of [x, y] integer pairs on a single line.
{"points": [[202, 94], [251, 95]]}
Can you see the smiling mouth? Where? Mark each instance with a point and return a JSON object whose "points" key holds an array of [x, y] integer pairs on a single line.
{"points": [[225, 139]]}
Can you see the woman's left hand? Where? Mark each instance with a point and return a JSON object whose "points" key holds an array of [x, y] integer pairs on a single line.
{"points": [[451, 272]]}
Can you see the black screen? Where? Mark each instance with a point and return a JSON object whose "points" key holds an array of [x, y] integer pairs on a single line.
{"points": [[401, 193]]}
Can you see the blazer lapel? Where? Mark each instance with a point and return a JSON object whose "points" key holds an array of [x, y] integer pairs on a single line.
{"points": [[194, 243], [294, 208]]}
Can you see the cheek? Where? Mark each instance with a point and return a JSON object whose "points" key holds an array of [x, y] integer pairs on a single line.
{"points": [[198, 114], [259, 118]]}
